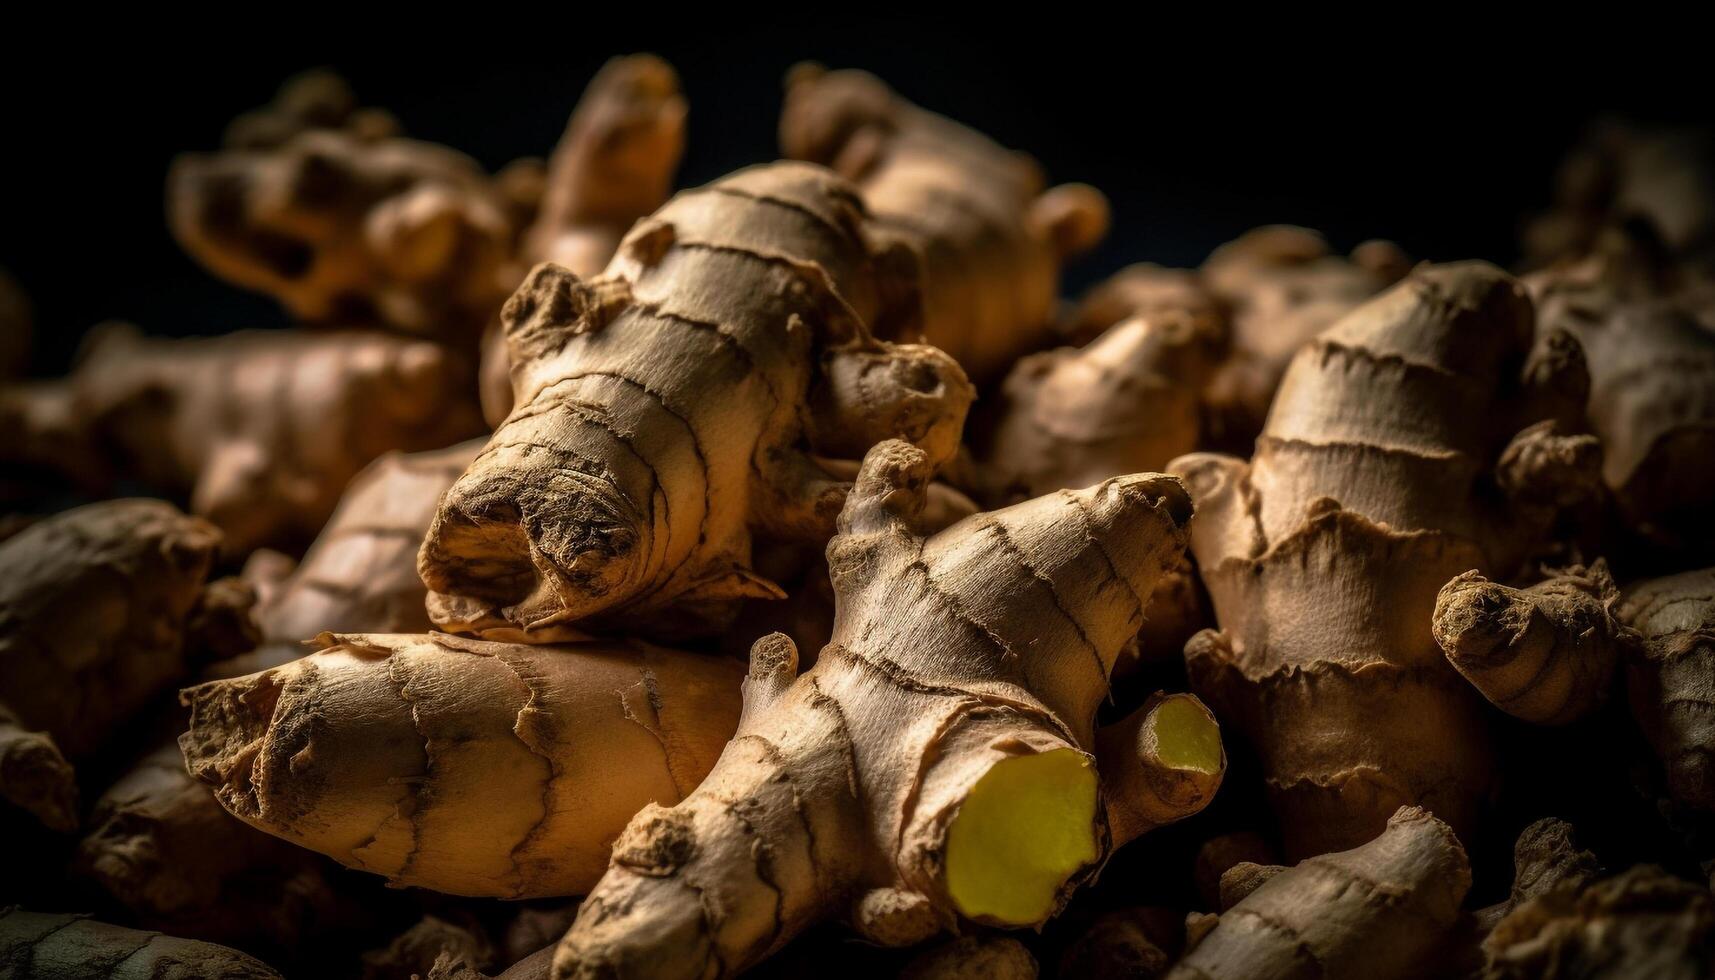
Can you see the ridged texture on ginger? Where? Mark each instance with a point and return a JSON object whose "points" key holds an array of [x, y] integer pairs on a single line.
{"points": [[984, 646], [93, 605], [667, 408], [1384, 471], [463, 766], [1671, 683], [261, 429], [992, 238], [75, 947], [1377, 911]]}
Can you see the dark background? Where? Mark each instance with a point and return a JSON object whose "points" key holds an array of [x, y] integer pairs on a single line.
{"points": [[1439, 133]]}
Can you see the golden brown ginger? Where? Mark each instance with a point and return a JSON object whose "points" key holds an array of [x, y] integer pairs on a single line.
{"points": [[1385, 470], [262, 430], [992, 238], [463, 766], [93, 604], [1671, 681], [935, 765], [668, 408]]}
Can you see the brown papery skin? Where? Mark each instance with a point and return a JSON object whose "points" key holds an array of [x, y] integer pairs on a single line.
{"points": [[1378, 478], [261, 429], [991, 639], [360, 576], [463, 766], [74, 947], [668, 408], [1643, 922], [1378, 911], [1671, 682], [93, 604], [993, 240]]}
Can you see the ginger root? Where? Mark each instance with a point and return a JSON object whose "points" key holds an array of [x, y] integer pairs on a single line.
{"points": [[464, 766], [667, 408], [261, 429], [1384, 471], [1642, 922], [1671, 681], [935, 765], [992, 238], [93, 605], [1377, 911], [40, 946]]}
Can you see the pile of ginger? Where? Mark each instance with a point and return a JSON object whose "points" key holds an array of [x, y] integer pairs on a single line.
{"points": [[787, 577]]}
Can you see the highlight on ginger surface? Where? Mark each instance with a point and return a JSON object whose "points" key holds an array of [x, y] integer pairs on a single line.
{"points": [[1403, 449], [93, 605], [939, 763], [262, 430], [1671, 680], [76, 947], [1382, 909], [668, 408], [463, 766], [993, 238]]}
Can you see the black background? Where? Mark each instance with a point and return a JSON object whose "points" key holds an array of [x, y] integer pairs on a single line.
{"points": [[1438, 132]]}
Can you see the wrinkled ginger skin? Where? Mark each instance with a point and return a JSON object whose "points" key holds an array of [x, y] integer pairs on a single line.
{"points": [[992, 238], [1671, 682], [666, 409], [93, 605], [360, 575], [989, 641], [1373, 484], [1381, 910], [463, 766], [1642, 922], [74, 947]]}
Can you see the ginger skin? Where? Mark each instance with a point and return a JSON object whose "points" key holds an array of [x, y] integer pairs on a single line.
{"points": [[1384, 471], [93, 605], [1671, 680], [1642, 922], [959, 692], [992, 238], [668, 408], [387, 752], [75, 947]]}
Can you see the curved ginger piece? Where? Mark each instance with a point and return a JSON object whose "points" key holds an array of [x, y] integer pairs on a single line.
{"points": [[76, 947], [463, 766], [667, 408], [1380, 476], [1381, 910], [935, 764], [93, 607], [1671, 683], [992, 238]]}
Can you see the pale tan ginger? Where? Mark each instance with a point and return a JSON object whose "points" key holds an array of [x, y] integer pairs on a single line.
{"points": [[162, 848], [935, 765], [1671, 682], [1652, 385], [351, 230], [462, 766], [1377, 911], [993, 239], [360, 576], [42, 946], [1384, 471], [668, 408], [1642, 922], [93, 604], [262, 430]]}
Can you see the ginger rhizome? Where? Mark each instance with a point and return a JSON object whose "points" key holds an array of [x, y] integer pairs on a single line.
{"points": [[1389, 465], [1670, 682], [938, 763], [75, 947], [93, 605], [1642, 922], [668, 408], [464, 766], [992, 238], [261, 430], [1383, 909]]}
